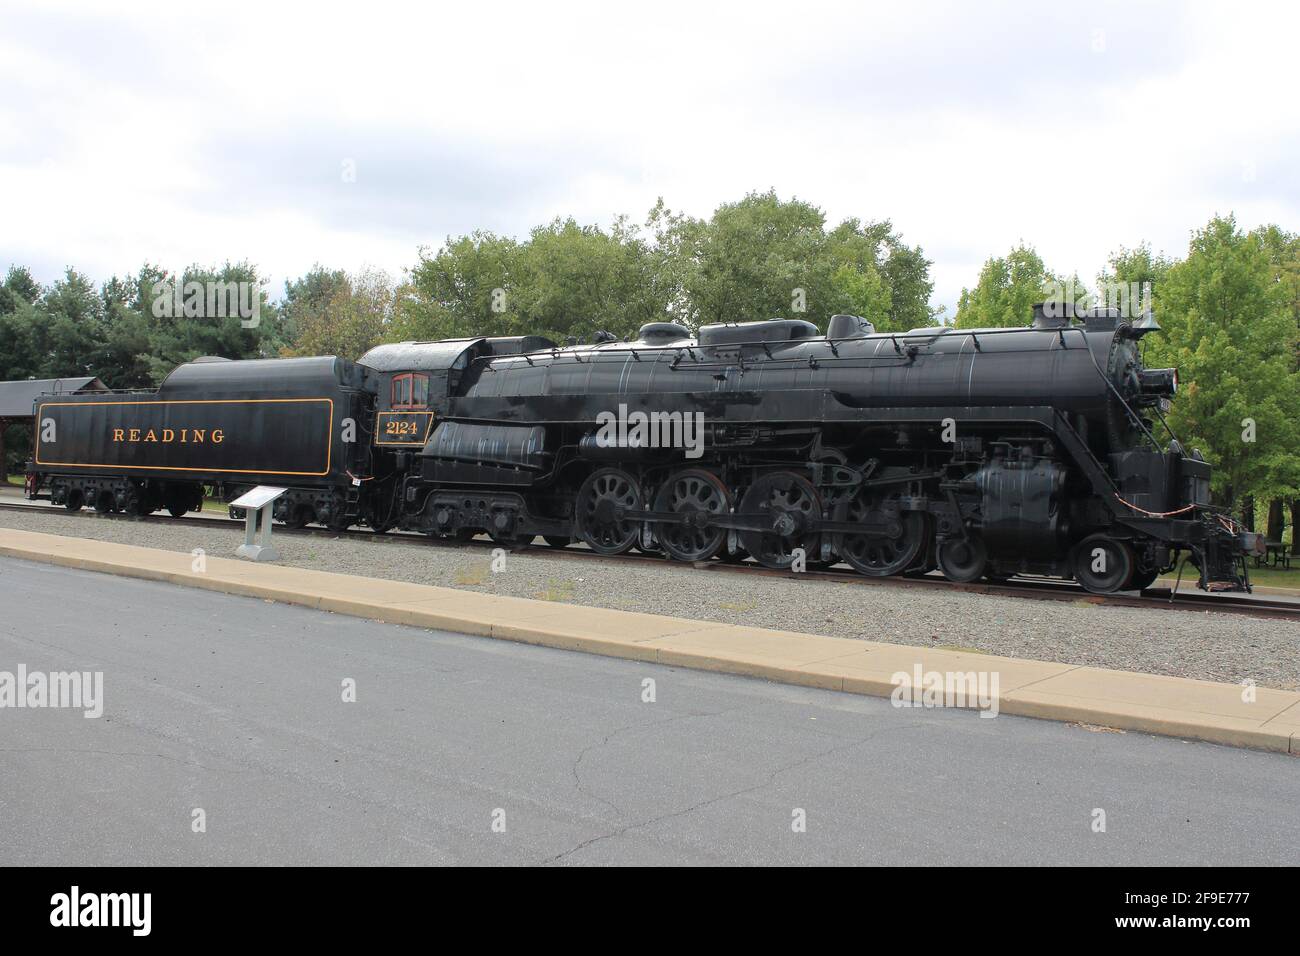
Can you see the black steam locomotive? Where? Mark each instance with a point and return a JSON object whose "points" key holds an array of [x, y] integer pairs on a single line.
{"points": [[982, 452]]}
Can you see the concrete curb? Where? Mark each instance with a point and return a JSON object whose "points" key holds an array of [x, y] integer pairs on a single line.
{"points": [[1170, 706]]}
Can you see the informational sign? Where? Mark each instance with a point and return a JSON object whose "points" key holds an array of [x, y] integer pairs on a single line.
{"points": [[259, 496], [258, 502]]}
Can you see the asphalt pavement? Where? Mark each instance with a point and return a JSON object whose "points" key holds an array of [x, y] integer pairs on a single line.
{"points": [[227, 737]]}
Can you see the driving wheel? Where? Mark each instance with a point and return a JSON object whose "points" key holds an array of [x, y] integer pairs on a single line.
{"points": [[607, 511], [898, 543], [788, 504], [694, 494]]}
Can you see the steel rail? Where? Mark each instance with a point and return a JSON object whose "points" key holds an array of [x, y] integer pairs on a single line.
{"points": [[1042, 589]]}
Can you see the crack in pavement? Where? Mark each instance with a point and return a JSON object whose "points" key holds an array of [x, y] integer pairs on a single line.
{"points": [[577, 779], [726, 796]]}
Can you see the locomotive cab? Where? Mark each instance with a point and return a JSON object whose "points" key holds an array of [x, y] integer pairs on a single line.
{"points": [[414, 381], [404, 414]]}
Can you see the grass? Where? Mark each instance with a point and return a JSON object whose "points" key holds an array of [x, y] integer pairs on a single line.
{"points": [[1269, 577], [1277, 577], [738, 606], [471, 576], [557, 590]]}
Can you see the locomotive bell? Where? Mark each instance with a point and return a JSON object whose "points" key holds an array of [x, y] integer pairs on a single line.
{"points": [[1052, 315], [1144, 325]]}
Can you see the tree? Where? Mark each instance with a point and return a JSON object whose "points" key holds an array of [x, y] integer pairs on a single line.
{"points": [[572, 281], [757, 259], [460, 291], [74, 314], [764, 257], [1008, 288], [906, 272], [23, 333], [20, 326], [850, 280], [1283, 250], [1230, 331], [353, 319], [179, 334], [863, 291], [19, 287], [675, 237], [1136, 266], [124, 349], [754, 259], [73, 329], [306, 299]]}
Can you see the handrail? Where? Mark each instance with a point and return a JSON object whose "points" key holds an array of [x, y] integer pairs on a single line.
{"points": [[1079, 448], [939, 330], [102, 391]]}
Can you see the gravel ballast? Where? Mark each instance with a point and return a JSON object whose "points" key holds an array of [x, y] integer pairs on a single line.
{"points": [[1202, 645]]}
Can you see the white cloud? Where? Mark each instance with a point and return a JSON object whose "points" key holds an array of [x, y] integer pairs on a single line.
{"points": [[163, 134]]}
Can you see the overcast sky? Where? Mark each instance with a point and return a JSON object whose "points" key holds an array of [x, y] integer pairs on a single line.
{"points": [[139, 132]]}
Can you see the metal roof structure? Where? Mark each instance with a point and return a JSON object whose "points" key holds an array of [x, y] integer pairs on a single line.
{"points": [[16, 398]]}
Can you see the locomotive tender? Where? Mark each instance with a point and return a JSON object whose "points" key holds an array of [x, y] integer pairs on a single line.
{"points": [[982, 452]]}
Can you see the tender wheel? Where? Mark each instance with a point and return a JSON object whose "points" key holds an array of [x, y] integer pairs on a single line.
{"points": [[180, 500], [105, 503], [74, 501], [904, 539], [607, 507], [557, 541], [300, 517], [963, 559], [789, 504], [1143, 579], [1102, 564], [695, 494], [380, 523]]}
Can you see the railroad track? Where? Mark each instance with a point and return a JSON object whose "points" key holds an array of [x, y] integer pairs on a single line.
{"points": [[1032, 588]]}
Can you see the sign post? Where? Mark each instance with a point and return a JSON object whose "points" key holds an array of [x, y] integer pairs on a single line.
{"points": [[258, 501]]}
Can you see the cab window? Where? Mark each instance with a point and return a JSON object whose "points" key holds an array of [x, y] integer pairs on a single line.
{"points": [[410, 390], [401, 391]]}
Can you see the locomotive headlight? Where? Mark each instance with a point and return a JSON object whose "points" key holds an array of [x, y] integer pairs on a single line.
{"points": [[1158, 382]]}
